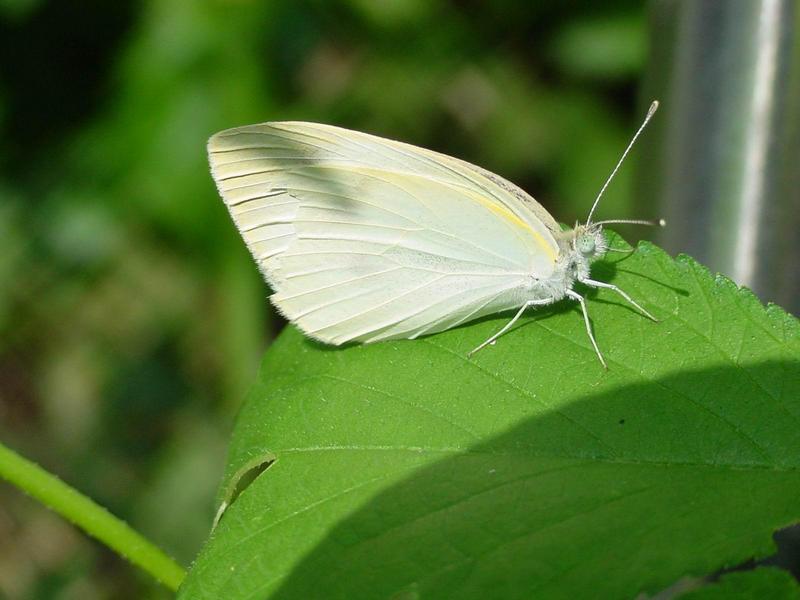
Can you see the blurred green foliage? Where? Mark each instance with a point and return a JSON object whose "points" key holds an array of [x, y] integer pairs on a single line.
{"points": [[131, 317]]}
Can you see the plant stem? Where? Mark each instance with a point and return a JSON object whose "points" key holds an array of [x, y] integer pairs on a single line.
{"points": [[89, 516]]}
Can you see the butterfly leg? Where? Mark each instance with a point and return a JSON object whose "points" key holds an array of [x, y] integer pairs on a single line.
{"points": [[508, 325], [579, 298], [609, 286]]}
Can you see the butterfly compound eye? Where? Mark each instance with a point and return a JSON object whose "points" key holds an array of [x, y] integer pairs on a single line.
{"points": [[586, 244]]}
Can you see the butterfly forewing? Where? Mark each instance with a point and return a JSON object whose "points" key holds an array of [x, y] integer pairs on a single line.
{"points": [[364, 239]]}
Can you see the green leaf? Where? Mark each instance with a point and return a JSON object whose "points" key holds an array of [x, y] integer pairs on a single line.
{"points": [[404, 470], [764, 582]]}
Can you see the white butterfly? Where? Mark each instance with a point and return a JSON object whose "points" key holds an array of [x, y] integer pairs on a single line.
{"points": [[367, 239]]}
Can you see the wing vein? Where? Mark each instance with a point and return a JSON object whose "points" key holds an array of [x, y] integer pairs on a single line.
{"points": [[337, 284], [381, 305]]}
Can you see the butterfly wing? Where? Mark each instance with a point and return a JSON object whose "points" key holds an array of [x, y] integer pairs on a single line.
{"points": [[364, 238]]}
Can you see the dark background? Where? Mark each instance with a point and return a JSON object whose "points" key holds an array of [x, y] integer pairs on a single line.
{"points": [[131, 317]]}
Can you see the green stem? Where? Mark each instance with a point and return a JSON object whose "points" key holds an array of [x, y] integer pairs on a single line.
{"points": [[89, 516]]}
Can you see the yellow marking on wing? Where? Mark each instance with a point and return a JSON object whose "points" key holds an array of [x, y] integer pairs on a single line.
{"points": [[502, 211], [498, 209]]}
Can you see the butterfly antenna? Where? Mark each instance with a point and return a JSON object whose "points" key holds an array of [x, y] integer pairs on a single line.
{"points": [[659, 223], [650, 112]]}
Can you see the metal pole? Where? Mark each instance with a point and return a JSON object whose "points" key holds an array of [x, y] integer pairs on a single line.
{"points": [[724, 161]]}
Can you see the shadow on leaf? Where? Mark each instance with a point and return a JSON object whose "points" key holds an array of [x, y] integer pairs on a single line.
{"points": [[672, 481]]}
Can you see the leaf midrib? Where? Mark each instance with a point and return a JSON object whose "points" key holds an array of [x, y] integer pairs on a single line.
{"points": [[543, 455]]}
